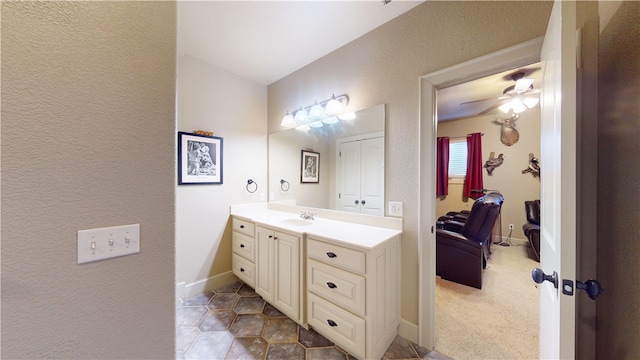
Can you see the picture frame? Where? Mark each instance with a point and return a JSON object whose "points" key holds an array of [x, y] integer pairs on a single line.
{"points": [[199, 159], [310, 167]]}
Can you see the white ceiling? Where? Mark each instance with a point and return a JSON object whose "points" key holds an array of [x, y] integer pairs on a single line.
{"points": [[265, 41]]}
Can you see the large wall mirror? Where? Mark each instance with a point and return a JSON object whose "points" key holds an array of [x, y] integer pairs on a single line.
{"points": [[350, 157]]}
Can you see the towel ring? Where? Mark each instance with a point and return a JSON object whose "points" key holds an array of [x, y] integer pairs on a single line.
{"points": [[284, 185], [249, 183]]}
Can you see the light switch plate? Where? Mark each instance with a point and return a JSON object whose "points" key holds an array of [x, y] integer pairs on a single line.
{"points": [[109, 242], [395, 208]]}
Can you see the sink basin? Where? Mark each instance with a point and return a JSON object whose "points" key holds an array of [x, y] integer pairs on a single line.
{"points": [[296, 222]]}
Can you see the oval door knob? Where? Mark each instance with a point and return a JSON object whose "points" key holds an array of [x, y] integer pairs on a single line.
{"points": [[357, 202], [241, 226], [241, 245], [241, 269], [539, 277], [363, 202]]}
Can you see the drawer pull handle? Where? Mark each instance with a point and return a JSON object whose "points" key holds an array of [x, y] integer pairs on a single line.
{"points": [[331, 285], [241, 269], [241, 226], [331, 323], [241, 245], [331, 255]]}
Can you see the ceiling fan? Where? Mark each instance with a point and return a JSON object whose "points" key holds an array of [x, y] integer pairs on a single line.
{"points": [[515, 98]]}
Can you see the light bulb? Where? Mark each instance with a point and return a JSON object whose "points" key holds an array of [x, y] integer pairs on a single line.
{"points": [[301, 115], [334, 106], [349, 115], [517, 105], [316, 111], [330, 120], [530, 101], [288, 120], [505, 108]]}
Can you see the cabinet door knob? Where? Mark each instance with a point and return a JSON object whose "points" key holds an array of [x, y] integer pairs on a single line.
{"points": [[331, 322], [241, 245], [241, 226], [331, 285], [241, 269], [270, 236], [331, 255]]}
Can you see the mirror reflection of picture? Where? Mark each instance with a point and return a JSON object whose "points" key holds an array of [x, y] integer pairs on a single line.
{"points": [[310, 170]]}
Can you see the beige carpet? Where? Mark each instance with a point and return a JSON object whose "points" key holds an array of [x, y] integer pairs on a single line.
{"points": [[498, 322]]}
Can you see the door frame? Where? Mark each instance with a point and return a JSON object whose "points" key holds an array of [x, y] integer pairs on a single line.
{"points": [[510, 58]]}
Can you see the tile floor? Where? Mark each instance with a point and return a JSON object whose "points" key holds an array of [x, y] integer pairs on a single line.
{"points": [[233, 322]]}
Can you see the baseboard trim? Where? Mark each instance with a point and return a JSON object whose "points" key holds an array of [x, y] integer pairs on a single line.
{"points": [[514, 241], [205, 285], [408, 330]]}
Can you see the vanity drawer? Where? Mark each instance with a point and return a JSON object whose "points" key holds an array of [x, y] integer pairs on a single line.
{"points": [[340, 287], [244, 227], [244, 269], [244, 245], [348, 259], [340, 326]]}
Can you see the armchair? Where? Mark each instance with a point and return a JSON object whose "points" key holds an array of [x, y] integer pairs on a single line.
{"points": [[462, 249], [531, 228]]}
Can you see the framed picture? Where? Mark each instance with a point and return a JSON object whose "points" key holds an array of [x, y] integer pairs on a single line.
{"points": [[310, 169], [199, 159]]}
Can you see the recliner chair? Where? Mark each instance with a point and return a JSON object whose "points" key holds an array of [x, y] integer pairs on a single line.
{"points": [[462, 249], [531, 229]]}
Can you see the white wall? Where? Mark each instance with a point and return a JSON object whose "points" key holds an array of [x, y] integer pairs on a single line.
{"points": [[234, 108], [88, 140]]}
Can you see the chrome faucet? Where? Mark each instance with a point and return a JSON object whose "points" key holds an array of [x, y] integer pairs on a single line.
{"points": [[307, 215]]}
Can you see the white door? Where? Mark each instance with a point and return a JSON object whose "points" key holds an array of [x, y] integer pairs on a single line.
{"points": [[350, 170], [362, 176], [558, 182]]}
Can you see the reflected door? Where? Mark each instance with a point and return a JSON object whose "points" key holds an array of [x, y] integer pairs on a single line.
{"points": [[361, 165]]}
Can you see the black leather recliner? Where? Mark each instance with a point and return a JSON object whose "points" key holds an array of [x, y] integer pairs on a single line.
{"points": [[531, 228], [462, 249]]}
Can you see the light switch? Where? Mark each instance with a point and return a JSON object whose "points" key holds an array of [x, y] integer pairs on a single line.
{"points": [[109, 242], [395, 208]]}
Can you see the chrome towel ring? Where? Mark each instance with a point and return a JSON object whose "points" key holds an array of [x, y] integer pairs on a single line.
{"points": [[249, 184], [284, 185]]}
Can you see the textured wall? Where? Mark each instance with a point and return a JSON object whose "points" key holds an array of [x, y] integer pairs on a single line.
{"points": [[88, 103], [619, 181], [384, 66], [234, 108]]}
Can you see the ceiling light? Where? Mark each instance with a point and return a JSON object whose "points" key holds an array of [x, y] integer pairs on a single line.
{"points": [[320, 112], [517, 106], [330, 120], [288, 120], [316, 112], [349, 115], [301, 115], [334, 107]]}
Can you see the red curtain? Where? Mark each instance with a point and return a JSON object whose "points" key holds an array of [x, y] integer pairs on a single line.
{"points": [[473, 179], [442, 163]]}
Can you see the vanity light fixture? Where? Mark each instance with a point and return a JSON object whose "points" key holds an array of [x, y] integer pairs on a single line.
{"points": [[328, 112]]}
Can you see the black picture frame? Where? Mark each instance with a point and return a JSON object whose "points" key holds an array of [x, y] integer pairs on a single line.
{"points": [[309, 167], [199, 159]]}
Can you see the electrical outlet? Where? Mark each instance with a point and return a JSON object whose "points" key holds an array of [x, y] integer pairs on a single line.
{"points": [[510, 226]]}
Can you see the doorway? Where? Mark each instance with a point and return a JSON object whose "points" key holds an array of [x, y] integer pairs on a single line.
{"points": [[510, 58]]}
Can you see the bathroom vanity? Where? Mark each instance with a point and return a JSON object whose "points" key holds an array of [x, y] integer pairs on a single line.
{"points": [[338, 273]]}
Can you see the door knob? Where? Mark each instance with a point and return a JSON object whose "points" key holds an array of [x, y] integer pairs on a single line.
{"points": [[363, 202], [591, 286], [539, 277], [357, 202]]}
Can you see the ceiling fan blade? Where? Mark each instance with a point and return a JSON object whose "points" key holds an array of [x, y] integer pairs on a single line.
{"points": [[534, 91], [491, 108], [523, 84], [477, 101]]}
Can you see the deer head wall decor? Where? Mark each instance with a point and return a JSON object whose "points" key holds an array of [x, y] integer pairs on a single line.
{"points": [[508, 133]]}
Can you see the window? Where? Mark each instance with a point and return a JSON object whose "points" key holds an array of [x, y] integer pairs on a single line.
{"points": [[457, 159]]}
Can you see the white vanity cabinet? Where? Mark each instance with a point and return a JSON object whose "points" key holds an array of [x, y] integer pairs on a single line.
{"points": [[279, 269], [354, 294], [244, 251]]}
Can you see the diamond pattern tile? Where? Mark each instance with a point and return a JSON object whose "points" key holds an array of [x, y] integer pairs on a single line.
{"points": [[233, 322]]}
